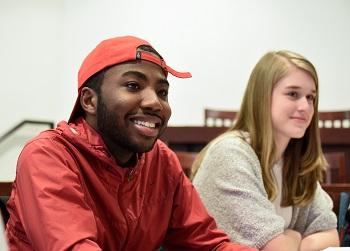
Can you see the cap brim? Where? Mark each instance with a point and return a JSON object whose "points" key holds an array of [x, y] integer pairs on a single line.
{"points": [[178, 74], [161, 63]]}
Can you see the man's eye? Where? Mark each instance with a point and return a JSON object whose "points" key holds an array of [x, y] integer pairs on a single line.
{"points": [[163, 93], [133, 86]]}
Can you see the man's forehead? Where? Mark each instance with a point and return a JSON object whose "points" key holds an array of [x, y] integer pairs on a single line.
{"points": [[138, 68]]}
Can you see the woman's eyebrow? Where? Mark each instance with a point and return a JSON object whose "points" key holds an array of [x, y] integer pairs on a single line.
{"points": [[296, 87]]}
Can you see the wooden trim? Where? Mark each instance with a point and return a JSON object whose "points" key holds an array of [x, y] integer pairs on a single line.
{"points": [[5, 188], [334, 190]]}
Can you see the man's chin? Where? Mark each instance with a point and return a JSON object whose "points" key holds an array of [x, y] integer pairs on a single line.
{"points": [[145, 148]]}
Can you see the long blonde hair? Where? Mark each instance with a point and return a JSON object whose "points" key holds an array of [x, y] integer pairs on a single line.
{"points": [[303, 158]]}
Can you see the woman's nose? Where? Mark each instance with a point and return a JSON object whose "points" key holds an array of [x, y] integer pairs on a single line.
{"points": [[304, 103]]}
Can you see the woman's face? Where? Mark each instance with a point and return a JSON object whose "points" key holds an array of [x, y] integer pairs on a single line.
{"points": [[292, 106]]}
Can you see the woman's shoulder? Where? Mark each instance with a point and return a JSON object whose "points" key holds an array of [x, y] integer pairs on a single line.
{"points": [[233, 146], [233, 139]]}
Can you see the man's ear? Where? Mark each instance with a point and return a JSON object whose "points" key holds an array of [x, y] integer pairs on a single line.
{"points": [[88, 101]]}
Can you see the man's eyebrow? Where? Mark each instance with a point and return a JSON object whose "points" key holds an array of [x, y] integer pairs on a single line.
{"points": [[142, 76], [164, 81], [135, 74]]}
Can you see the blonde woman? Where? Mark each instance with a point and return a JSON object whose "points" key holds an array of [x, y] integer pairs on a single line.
{"points": [[260, 180]]}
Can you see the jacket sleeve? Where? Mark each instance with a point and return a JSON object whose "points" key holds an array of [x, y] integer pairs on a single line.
{"points": [[317, 216], [50, 200], [230, 184], [191, 227]]}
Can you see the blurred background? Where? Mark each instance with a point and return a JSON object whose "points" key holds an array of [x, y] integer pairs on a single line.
{"points": [[42, 44]]}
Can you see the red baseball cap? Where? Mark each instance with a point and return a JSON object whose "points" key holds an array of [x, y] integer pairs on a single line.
{"points": [[115, 51]]}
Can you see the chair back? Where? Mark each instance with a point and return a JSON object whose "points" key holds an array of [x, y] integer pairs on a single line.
{"points": [[343, 219], [186, 159], [335, 172], [3, 209], [219, 118], [334, 119], [5, 192], [5, 188]]}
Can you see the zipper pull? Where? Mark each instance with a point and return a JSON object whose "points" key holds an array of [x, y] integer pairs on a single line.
{"points": [[131, 174]]}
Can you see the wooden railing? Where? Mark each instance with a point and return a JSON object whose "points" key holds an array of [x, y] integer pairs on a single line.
{"points": [[194, 138]]}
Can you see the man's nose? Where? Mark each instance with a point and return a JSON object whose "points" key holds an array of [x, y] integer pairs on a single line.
{"points": [[150, 100]]}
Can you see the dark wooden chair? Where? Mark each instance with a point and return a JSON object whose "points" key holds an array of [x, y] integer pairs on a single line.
{"points": [[340, 194], [219, 118], [5, 188], [186, 159], [343, 219], [334, 190], [334, 119], [3, 210], [5, 192], [335, 172]]}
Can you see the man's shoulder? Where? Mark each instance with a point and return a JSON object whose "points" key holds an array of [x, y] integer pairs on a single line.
{"points": [[51, 137], [162, 149], [166, 157]]}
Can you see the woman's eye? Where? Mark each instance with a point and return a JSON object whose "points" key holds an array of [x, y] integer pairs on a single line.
{"points": [[292, 94], [310, 98]]}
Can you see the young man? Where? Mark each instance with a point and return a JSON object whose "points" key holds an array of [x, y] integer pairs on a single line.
{"points": [[103, 181]]}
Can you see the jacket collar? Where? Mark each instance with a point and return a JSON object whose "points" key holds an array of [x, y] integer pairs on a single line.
{"points": [[85, 137]]}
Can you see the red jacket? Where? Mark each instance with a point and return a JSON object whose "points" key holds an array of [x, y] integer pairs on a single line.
{"points": [[70, 194]]}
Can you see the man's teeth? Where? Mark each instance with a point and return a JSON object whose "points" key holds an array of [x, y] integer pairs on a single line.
{"points": [[145, 124]]}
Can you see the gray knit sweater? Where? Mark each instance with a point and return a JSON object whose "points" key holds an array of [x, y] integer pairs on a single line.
{"points": [[230, 184]]}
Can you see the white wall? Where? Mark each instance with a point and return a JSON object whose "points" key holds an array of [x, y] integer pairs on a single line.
{"points": [[42, 44], [219, 42], [30, 60]]}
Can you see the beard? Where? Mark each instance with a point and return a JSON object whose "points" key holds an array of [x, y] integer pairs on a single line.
{"points": [[113, 132]]}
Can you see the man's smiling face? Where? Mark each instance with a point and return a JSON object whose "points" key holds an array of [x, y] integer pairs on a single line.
{"points": [[133, 108]]}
